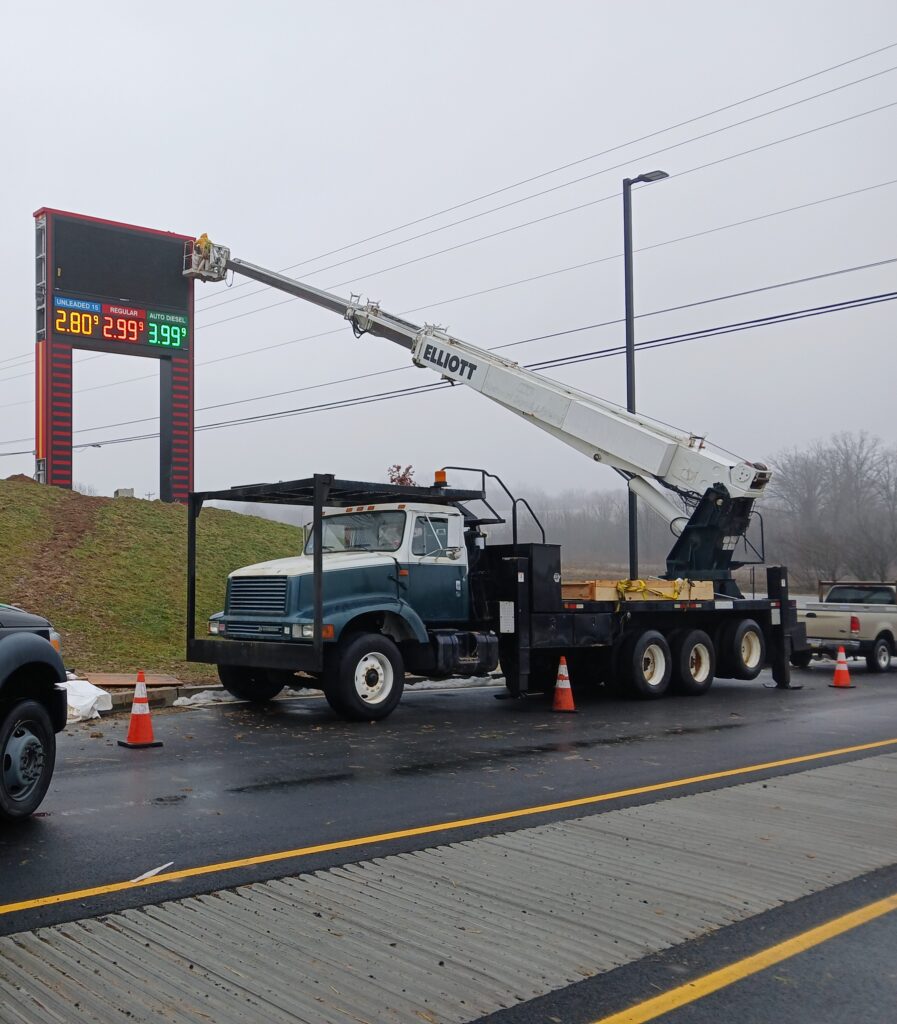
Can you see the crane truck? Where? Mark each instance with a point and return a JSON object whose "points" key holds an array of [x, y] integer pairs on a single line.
{"points": [[397, 580]]}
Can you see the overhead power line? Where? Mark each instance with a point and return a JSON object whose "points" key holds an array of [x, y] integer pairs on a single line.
{"points": [[574, 163], [563, 185], [562, 270], [15, 361], [581, 160], [557, 363], [497, 348]]}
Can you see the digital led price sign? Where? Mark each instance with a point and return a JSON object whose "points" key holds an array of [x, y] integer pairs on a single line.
{"points": [[110, 287], [101, 321]]}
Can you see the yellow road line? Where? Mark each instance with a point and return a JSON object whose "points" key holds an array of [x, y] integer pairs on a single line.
{"points": [[424, 830], [713, 982]]}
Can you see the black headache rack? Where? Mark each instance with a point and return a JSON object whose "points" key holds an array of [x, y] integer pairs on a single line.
{"points": [[317, 492]]}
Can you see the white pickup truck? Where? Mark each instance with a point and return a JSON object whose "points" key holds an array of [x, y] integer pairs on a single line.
{"points": [[859, 616]]}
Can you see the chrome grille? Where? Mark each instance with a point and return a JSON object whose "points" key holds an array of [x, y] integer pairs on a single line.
{"points": [[257, 595], [253, 631]]}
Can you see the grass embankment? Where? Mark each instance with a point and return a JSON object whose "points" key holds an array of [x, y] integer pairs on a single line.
{"points": [[110, 573]]}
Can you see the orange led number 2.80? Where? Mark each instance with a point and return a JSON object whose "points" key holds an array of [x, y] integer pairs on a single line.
{"points": [[69, 321]]}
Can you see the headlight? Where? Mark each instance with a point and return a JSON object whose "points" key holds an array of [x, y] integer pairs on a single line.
{"points": [[56, 640], [215, 627], [306, 631]]}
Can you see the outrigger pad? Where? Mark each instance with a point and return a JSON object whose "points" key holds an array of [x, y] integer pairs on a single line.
{"points": [[205, 260]]}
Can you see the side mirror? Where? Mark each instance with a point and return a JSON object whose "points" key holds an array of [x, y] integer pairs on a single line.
{"points": [[455, 539]]}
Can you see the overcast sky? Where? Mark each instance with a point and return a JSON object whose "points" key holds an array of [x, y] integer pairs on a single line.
{"points": [[290, 129]]}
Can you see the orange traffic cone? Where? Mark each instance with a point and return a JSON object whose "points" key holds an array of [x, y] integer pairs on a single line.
{"points": [[563, 695], [841, 680], [140, 730]]}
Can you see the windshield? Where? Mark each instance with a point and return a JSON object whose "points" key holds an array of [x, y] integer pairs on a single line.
{"points": [[360, 531]]}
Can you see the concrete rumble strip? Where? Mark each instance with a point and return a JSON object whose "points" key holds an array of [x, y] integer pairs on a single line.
{"points": [[457, 931]]}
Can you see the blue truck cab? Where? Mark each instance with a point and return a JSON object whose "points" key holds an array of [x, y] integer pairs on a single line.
{"points": [[405, 562], [392, 579]]}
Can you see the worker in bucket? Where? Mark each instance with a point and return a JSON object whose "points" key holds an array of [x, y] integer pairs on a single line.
{"points": [[202, 252]]}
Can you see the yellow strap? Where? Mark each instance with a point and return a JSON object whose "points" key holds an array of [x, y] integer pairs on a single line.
{"points": [[641, 587]]}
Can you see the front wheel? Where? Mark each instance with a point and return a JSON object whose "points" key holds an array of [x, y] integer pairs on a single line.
{"points": [[879, 658], [648, 664], [257, 685], [367, 680], [27, 758]]}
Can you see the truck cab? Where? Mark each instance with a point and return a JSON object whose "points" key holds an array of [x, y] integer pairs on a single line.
{"points": [[382, 587], [405, 561]]}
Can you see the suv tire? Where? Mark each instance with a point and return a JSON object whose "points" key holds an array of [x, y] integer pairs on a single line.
{"points": [[27, 758]]}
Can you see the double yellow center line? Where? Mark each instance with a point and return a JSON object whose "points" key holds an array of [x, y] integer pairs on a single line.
{"points": [[425, 830], [675, 998]]}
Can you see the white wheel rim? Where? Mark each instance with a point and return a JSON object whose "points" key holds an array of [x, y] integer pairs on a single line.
{"points": [[373, 678], [884, 656], [750, 649], [654, 665], [699, 663]]}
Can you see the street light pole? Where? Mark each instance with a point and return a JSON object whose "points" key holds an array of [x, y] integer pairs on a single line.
{"points": [[630, 341]]}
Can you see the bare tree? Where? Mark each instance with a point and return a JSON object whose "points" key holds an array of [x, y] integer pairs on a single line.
{"points": [[402, 475], [834, 509]]}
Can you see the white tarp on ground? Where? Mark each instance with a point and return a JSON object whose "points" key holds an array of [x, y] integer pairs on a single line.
{"points": [[205, 697], [85, 700]]}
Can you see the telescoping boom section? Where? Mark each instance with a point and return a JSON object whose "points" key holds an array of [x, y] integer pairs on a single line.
{"points": [[716, 491]]}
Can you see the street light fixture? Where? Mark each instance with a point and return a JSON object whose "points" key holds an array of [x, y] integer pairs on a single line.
{"points": [[649, 176]]}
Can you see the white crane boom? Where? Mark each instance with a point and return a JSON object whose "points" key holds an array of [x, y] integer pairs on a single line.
{"points": [[645, 451]]}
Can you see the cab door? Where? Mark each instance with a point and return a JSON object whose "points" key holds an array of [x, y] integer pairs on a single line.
{"points": [[437, 569]]}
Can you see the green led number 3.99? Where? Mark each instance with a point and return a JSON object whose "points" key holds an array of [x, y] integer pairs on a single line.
{"points": [[166, 335]]}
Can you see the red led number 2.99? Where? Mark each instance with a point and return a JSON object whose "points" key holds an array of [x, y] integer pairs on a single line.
{"points": [[119, 328]]}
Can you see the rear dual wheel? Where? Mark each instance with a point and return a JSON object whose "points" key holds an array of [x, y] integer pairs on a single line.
{"points": [[652, 663], [742, 650], [694, 662], [647, 665]]}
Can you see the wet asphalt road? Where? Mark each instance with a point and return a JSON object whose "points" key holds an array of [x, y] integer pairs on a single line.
{"points": [[234, 781]]}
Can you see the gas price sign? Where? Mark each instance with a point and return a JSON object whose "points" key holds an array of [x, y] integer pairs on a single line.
{"points": [[117, 289], [103, 321]]}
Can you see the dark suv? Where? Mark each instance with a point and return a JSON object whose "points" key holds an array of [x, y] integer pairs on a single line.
{"points": [[32, 709]]}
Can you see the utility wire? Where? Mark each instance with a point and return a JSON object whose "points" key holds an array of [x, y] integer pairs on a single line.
{"points": [[550, 273], [557, 363], [567, 184], [539, 220], [497, 348], [494, 288], [555, 170], [585, 159], [384, 396]]}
